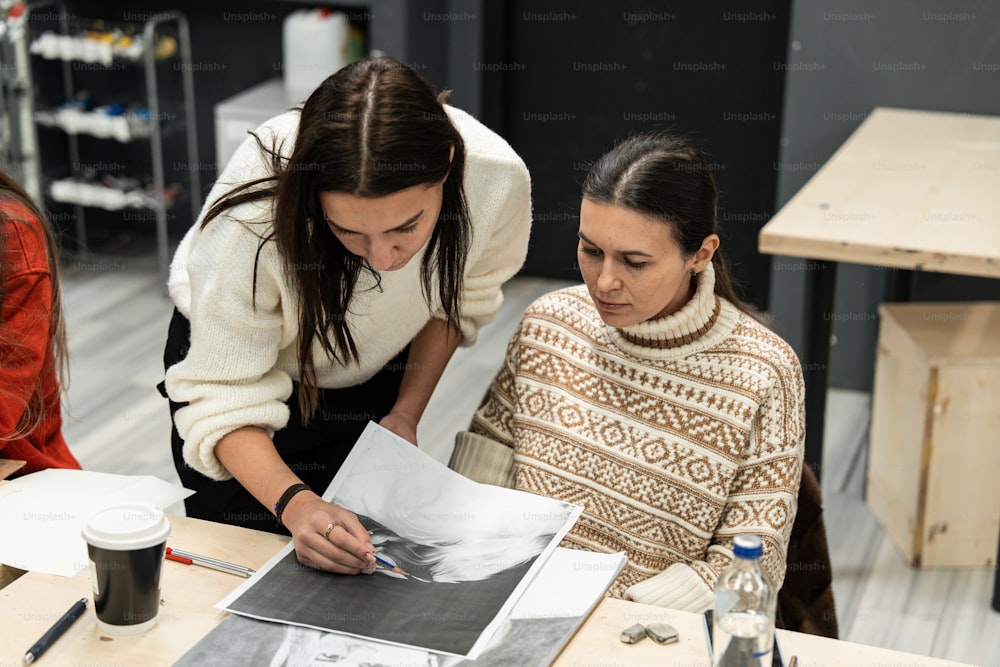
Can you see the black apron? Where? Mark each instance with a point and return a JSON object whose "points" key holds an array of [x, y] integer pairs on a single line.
{"points": [[314, 452]]}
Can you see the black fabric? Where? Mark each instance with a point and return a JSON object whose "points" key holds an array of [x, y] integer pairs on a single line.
{"points": [[805, 601], [314, 452]]}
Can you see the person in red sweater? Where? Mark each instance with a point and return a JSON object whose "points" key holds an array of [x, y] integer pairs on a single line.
{"points": [[32, 336]]}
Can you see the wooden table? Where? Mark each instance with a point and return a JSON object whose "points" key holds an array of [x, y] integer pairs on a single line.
{"points": [[911, 190], [32, 603], [596, 643]]}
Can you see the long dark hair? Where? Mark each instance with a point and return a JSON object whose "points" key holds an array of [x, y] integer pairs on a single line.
{"points": [[11, 349], [666, 178], [371, 129]]}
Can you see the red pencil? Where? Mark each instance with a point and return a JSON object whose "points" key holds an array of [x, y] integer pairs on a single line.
{"points": [[179, 559]]}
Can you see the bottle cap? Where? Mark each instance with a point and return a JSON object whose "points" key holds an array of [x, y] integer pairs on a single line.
{"points": [[747, 546]]}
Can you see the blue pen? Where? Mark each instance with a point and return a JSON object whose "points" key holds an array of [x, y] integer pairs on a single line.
{"points": [[56, 631]]}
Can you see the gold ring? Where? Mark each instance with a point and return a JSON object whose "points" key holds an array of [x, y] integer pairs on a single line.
{"points": [[326, 533]]}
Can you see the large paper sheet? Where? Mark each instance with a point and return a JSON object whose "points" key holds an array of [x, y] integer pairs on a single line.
{"points": [[470, 549], [568, 587], [42, 514]]}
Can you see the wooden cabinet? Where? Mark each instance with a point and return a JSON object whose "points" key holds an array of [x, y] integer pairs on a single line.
{"points": [[934, 451]]}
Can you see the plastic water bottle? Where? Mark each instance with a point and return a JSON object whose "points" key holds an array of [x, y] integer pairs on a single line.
{"points": [[743, 629]]}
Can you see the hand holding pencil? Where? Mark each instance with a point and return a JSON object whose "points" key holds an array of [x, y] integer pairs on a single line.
{"points": [[387, 564], [328, 537]]}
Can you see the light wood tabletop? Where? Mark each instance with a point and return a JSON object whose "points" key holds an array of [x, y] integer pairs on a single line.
{"points": [[596, 643], [30, 605], [908, 189], [34, 602]]}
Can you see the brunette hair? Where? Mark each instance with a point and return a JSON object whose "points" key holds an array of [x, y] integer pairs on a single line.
{"points": [[12, 350], [371, 129], [666, 178]]}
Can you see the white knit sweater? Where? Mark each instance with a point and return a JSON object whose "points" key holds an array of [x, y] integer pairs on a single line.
{"points": [[242, 358], [675, 435]]}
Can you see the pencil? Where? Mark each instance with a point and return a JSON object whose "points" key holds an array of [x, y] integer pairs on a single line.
{"points": [[205, 561], [56, 631], [794, 661], [389, 566]]}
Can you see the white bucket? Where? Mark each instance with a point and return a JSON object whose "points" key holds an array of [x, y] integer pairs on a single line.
{"points": [[315, 45]]}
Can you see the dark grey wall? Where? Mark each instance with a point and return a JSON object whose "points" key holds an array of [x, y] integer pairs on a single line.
{"points": [[581, 76], [846, 57]]}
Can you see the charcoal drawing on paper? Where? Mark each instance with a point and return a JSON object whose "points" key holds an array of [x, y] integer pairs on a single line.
{"points": [[468, 551]]}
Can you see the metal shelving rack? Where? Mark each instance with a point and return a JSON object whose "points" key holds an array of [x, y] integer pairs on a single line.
{"points": [[151, 32]]}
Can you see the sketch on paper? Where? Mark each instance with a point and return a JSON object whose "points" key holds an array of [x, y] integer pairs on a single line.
{"points": [[468, 551], [559, 599]]}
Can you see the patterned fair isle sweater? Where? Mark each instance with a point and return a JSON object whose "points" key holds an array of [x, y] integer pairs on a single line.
{"points": [[675, 435]]}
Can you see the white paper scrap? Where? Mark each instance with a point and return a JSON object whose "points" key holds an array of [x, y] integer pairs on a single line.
{"points": [[42, 514]]}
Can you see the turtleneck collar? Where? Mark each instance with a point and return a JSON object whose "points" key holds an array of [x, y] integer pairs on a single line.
{"points": [[700, 323]]}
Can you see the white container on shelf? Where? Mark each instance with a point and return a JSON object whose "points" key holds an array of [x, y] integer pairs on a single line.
{"points": [[315, 45], [72, 191], [244, 112]]}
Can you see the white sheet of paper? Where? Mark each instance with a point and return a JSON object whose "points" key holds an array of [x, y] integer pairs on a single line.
{"points": [[569, 584], [42, 514]]}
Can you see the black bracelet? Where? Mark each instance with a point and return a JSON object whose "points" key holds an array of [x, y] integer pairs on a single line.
{"points": [[279, 507]]}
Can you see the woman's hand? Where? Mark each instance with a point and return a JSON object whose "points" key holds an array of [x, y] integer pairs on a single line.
{"points": [[402, 425], [328, 537]]}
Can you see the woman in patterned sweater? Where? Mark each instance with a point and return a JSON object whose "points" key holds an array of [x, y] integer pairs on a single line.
{"points": [[651, 395]]}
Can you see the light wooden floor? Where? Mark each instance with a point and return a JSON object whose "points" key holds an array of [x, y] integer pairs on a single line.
{"points": [[117, 422]]}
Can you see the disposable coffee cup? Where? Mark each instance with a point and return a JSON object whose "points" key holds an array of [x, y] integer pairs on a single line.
{"points": [[126, 544]]}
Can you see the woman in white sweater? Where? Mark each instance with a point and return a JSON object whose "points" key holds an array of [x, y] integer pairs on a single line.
{"points": [[343, 254], [650, 395]]}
